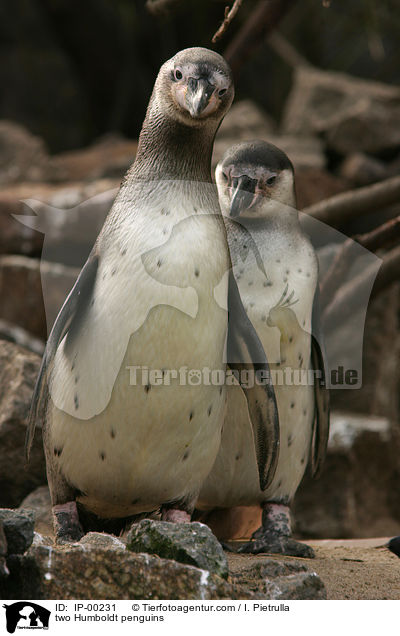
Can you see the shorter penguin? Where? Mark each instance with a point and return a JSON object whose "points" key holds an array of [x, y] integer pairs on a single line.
{"points": [[257, 196]]}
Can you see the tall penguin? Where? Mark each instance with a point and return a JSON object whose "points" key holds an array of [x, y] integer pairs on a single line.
{"points": [[125, 430], [256, 188]]}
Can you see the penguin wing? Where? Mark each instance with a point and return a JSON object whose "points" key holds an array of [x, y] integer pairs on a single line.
{"points": [[321, 393], [246, 353], [67, 322]]}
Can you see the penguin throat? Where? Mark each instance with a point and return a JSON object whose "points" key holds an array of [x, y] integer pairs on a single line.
{"points": [[168, 149]]}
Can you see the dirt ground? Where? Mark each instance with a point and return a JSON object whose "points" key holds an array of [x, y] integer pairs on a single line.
{"points": [[351, 569]]}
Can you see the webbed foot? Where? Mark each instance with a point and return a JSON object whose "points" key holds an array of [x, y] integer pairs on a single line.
{"points": [[67, 528]]}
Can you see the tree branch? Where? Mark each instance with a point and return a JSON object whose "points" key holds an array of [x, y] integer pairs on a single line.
{"points": [[261, 21], [345, 302], [380, 237], [229, 15], [349, 205]]}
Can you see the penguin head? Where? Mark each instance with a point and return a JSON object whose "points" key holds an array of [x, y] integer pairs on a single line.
{"points": [[195, 86], [255, 179]]}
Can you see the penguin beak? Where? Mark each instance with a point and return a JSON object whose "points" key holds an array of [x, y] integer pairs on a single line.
{"points": [[243, 195], [199, 95]]}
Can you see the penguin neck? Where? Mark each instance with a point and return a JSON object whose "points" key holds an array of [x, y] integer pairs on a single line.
{"points": [[168, 149]]}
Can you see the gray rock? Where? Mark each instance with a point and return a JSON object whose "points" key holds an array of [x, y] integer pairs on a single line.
{"points": [[40, 502], [95, 540], [191, 543], [246, 120], [18, 372], [4, 571], [18, 529], [289, 580], [21, 337], [353, 115], [22, 156], [362, 169], [77, 571], [33, 291]]}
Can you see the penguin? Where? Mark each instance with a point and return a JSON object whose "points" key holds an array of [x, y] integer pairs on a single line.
{"points": [[256, 190], [151, 299]]}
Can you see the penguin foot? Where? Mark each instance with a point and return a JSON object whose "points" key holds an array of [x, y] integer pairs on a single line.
{"points": [[275, 544], [175, 516], [275, 534], [67, 528]]}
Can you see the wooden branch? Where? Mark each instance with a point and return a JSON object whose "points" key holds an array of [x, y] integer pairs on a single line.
{"points": [[346, 301], [374, 240], [350, 205], [229, 15], [261, 21]]}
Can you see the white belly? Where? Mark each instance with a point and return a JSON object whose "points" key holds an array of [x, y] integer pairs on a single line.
{"points": [[148, 445], [234, 478]]}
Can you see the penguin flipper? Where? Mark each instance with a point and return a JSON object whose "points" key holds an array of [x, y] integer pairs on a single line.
{"points": [[321, 393], [245, 352], [67, 322]]}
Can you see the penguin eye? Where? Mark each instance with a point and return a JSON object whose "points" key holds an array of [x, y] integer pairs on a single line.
{"points": [[178, 74], [271, 180], [222, 92]]}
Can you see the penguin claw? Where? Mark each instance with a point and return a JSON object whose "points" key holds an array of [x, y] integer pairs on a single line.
{"points": [[66, 523], [277, 545]]}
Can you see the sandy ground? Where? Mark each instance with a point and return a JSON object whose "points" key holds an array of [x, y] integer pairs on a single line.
{"points": [[351, 569]]}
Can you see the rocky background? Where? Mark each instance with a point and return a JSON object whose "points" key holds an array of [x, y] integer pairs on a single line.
{"points": [[324, 86]]}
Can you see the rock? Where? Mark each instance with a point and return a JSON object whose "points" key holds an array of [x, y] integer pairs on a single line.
{"points": [[314, 185], [18, 372], [22, 300], [23, 157], [289, 580], [17, 335], [39, 502], [110, 156], [362, 170], [246, 121], [95, 540], [191, 543], [18, 529], [353, 115], [81, 572], [4, 571], [65, 218], [357, 493]]}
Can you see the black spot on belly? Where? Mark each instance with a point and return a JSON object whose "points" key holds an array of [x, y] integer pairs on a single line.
{"points": [[76, 379], [147, 388], [191, 416], [244, 247], [289, 440], [58, 451], [114, 271], [159, 262], [123, 251], [209, 410], [165, 231], [267, 283], [279, 484], [292, 405], [197, 272], [104, 275], [304, 411], [76, 401], [287, 271], [299, 270], [290, 338], [92, 302], [102, 456], [238, 456], [186, 455], [112, 433], [308, 274], [220, 390], [303, 459], [194, 209], [301, 360]]}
